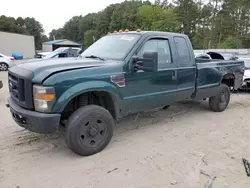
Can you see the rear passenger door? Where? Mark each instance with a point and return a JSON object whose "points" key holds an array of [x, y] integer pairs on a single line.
{"points": [[186, 68]]}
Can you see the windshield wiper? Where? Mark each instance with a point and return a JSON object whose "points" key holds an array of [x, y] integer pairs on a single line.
{"points": [[94, 57]]}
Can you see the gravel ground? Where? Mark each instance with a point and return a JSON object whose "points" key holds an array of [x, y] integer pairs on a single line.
{"points": [[184, 146]]}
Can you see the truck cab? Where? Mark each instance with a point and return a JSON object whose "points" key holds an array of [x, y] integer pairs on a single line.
{"points": [[120, 74]]}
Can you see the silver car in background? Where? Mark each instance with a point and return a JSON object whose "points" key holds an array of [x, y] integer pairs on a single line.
{"points": [[6, 62]]}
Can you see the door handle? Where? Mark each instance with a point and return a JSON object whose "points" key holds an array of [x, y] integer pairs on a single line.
{"points": [[174, 75]]}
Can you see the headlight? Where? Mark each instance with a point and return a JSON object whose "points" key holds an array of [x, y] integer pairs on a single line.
{"points": [[44, 98]]}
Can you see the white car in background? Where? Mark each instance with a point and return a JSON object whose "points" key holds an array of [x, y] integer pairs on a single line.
{"points": [[246, 77], [6, 62]]}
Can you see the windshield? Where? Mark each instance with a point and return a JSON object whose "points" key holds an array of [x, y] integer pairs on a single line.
{"points": [[112, 46], [54, 53], [51, 55]]}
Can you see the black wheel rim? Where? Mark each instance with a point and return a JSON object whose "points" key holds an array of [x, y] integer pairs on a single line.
{"points": [[93, 132]]}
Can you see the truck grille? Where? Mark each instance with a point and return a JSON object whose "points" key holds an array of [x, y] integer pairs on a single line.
{"points": [[20, 88], [16, 87]]}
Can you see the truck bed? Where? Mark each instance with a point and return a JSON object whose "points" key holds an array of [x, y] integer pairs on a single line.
{"points": [[209, 75]]}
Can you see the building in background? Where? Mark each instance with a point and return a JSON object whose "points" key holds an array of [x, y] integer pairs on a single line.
{"points": [[17, 43], [50, 46]]}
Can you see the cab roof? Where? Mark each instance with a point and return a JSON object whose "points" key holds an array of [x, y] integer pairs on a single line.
{"points": [[149, 33]]}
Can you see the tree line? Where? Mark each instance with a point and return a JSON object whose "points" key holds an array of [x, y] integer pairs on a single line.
{"points": [[208, 23], [26, 26]]}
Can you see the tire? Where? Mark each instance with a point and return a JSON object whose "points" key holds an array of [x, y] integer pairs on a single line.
{"points": [[220, 102], [89, 130], [3, 66]]}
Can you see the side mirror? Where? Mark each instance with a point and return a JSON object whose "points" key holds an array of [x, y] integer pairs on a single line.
{"points": [[149, 62]]}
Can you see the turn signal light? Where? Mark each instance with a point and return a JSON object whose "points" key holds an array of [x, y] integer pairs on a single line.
{"points": [[46, 97]]}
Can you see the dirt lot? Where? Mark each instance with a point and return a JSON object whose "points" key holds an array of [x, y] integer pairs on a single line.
{"points": [[178, 147]]}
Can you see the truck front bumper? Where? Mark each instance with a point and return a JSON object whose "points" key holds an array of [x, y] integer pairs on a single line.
{"points": [[33, 121]]}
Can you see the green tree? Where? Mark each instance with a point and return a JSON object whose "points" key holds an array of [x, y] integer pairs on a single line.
{"points": [[103, 19], [56, 34], [90, 37], [72, 30], [208, 23], [147, 15], [124, 16], [231, 43], [44, 38], [188, 15], [168, 22], [35, 29], [8, 25]]}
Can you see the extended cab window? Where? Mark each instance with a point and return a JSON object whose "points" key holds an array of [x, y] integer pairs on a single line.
{"points": [[114, 46], [182, 49], [162, 47]]}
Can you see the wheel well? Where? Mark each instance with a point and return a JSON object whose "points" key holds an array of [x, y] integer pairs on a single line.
{"points": [[4, 63], [100, 98], [228, 79]]}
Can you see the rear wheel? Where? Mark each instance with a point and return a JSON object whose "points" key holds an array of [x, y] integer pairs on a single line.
{"points": [[3, 67], [220, 102], [89, 130]]}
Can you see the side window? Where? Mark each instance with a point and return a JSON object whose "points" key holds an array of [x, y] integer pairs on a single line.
{"points": [[162, 47], [182, 49], [164, 54], [150, 45]]}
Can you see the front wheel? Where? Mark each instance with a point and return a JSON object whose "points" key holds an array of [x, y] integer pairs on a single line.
{"points": [[89, 130], [220, 102], [3, 67]]}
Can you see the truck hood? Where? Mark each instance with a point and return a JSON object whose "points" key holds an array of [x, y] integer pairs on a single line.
{"points": [[57, 65], [44, 68]]}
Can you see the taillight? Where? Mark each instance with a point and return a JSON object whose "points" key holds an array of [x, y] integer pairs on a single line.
{"points": [[12, 58]]}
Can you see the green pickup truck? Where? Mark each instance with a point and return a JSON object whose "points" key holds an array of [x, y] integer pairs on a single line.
{"points": [[120, 74]]}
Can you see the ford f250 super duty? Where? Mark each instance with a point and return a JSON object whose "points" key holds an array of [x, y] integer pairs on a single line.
{"points": [[120, 74]]}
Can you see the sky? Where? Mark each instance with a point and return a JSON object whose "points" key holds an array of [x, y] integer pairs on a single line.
{"points": [[52, 14]]}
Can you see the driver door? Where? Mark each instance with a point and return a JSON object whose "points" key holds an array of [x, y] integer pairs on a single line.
{"points": [[147, 90]]}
